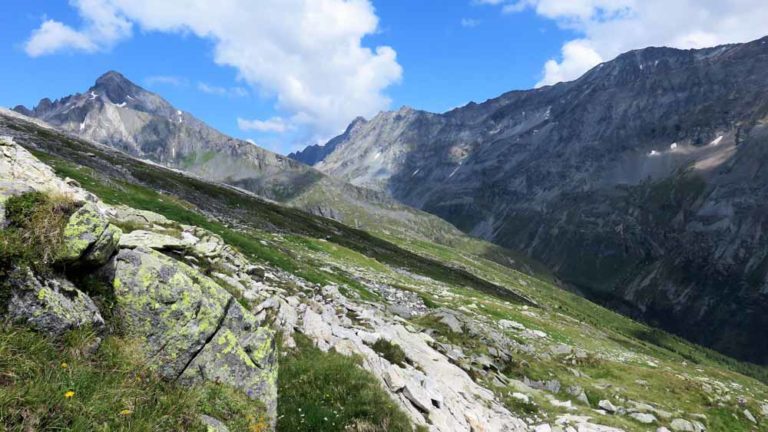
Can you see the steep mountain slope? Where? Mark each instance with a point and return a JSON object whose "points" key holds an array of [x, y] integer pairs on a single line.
{"points": [[643, 183], [375, 335], [120, 114]]}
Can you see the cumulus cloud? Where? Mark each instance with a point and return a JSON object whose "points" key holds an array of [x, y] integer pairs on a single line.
{"points": [[102, 28], [274, 124], [609, 27], [308, 54]]}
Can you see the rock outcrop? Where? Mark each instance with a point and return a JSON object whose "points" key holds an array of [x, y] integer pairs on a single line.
{"points": [[189, 327], [193, 329]]}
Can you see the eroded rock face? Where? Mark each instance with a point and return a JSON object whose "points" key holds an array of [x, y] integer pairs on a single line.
{"points": [[193, 329], [50, 305]]}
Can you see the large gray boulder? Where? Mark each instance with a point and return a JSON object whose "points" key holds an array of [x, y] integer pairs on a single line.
{"points": [[192, 329], [51, 306]]}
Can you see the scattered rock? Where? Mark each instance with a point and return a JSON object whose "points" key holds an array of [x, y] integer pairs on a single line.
{"points": [[607, 406], [682, 425], [749, 416], [507, 324], [143, 217], [448, 318], [643, 418], [521, 397]]}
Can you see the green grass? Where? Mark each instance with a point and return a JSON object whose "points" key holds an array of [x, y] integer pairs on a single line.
{"points": [[330, 392], [110, 390], [390, 351], [34, 235]]}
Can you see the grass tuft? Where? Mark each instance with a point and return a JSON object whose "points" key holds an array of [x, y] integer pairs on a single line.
{"points": [[390, 351], [330, 392], [34, 235]]}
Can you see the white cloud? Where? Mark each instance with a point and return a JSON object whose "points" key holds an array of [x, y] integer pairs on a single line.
{"points": [[469, 22], [102, 28], [54, 36], [578, 57], [274, 124], [308, 54], [608, 28], [222, 91]]}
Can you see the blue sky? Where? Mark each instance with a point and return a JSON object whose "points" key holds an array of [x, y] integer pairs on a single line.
{"points": [[267, 62]]}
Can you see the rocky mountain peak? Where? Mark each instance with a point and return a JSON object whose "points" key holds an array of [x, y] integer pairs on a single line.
{"points": [[116, 87]]}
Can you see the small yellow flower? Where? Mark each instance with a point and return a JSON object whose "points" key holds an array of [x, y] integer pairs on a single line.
{"points": [[126, 412], [64, 365], [69, 394]]}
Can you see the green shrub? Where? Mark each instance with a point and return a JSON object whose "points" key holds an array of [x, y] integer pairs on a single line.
{"points": [[390, 351], [330, 392]]}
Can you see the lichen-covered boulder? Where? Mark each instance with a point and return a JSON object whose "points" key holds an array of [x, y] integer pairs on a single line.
{"points": [[241, 354], [89, 235], [192, 329], [50, 305], [174, 309]]}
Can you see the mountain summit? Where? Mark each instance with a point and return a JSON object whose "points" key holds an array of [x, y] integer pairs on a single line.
{"points": [[643, 183]]}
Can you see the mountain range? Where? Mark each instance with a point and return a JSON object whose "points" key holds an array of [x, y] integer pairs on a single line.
{"points": [[120, 114], [642, 184], [143, 252]]}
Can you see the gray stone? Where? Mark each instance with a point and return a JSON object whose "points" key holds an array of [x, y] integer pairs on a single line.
{"points": [[607, 406], [643, 418], [104, 247], [151, 240], [142, 217], [579, 393], [51, 306], [449, 319], [682, 425], [749, 416]]}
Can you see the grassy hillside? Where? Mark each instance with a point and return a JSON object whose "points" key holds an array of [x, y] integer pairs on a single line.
{"points": [[562, 337]]}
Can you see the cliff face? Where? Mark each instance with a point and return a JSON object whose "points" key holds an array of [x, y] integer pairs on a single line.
{"points": [[643, 183]]}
